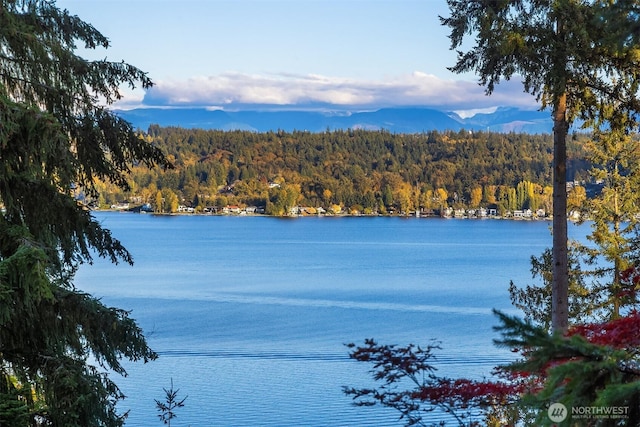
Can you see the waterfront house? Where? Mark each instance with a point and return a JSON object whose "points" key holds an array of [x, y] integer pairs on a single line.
{"points": [[233, 209], [185, 209], [122, 206]]}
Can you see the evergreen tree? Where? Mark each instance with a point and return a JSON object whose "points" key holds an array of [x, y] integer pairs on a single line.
{"points": [[592, 367], [167, 408], [599, 285], [587, 302], [614, 211], [577, 57], [56, 139]]}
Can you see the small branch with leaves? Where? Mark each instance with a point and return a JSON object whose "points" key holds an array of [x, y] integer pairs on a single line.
{"points": [[407, 383]]}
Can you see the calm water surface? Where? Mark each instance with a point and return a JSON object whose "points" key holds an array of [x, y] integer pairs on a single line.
{"points": [[250, 314]]}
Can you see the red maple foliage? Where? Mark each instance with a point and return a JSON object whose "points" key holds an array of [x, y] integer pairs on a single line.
{"points": [[469, 392], [631, 276], [471, 400], [619, 333], [622, 333]]}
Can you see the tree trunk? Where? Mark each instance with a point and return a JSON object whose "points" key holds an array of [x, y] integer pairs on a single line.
{"points": [[616, 286], [560, 284]]}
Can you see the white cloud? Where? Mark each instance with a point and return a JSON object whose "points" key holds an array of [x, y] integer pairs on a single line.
{"points": [[237, 90]]}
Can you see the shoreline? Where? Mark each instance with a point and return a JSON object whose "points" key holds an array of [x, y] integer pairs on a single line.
{"points": [[324, 215]]}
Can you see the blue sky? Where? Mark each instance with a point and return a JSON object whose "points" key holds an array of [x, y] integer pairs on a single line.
{"points": [[246, 54]]}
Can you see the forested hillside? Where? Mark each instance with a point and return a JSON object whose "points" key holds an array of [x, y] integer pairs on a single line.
{"points": [[353, 170]]}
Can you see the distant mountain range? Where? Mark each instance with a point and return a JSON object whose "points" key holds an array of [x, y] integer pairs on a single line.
{"points": [[396, 120]]}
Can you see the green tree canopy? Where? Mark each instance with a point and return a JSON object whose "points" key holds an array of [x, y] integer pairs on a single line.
{"points": [[56, 138]]}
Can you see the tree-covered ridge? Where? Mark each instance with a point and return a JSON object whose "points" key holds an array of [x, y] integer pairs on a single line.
{"points": [[371, 171]]}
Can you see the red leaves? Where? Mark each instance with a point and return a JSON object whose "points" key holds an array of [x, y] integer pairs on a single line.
{"points": [[407, 379], [407, 382], [469, 392], [630, 276], [620, 333], [629, 281]]}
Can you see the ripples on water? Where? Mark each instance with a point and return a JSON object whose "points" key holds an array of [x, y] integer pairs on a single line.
{"points": [[250, 315]]}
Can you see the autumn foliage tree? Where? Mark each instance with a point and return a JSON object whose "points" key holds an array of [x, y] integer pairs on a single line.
{"points": [[375, 170]]}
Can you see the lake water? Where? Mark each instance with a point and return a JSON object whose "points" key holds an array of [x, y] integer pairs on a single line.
{"points": [[250, 314]]}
